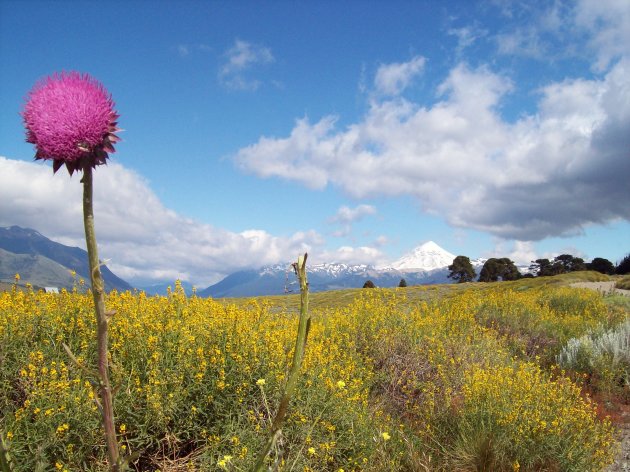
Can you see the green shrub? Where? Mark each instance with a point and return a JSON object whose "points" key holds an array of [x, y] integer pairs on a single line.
{"points": [[519, 418], [604, 355], [624, 283]]}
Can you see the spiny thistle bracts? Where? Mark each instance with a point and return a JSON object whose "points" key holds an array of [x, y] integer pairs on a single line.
{"points": [[70, 118]]}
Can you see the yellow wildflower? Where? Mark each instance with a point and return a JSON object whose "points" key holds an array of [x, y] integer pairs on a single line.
{"points": [[61, 429], [224, 462]]}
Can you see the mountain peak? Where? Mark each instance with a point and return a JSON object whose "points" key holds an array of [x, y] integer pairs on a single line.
{"points": [[429, 246], [428, 256], [18, 231]]}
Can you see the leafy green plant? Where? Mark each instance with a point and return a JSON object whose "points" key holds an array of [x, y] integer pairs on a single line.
{"points": [[604, 355], [623, 283], [519, 417]]}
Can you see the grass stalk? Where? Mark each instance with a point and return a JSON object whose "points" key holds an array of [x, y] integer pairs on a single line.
{"points": [[298, 356]]}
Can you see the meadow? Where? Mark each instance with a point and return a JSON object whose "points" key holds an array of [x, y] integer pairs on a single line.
{"points": [[434, 378]]}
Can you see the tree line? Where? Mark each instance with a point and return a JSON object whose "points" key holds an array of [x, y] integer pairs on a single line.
{"points": [[495, 269]]}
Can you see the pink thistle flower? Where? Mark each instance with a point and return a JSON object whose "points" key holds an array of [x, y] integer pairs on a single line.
{"points": [[70, 118]]}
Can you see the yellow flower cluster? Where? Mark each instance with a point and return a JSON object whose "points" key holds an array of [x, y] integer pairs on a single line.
{"points": [[380, 373], [529, 414]]}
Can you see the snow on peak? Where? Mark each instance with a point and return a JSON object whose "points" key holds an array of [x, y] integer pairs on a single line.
{"points": [[428, 256]]}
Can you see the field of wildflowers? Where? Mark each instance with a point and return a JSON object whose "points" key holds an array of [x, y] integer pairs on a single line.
{"points": [[390, 381]]}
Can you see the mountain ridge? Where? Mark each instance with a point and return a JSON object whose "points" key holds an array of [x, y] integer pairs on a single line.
{"points": [[47, 263], [425, 264], [25, 243], [268, 281]]}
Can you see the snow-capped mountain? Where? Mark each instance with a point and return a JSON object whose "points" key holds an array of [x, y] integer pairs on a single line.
{"points": [[428, 256], [426, 264], [334, 270]]}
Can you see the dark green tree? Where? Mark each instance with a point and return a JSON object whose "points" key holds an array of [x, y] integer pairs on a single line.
{"points": [[461, 270], [369, 284], [402, 283], [490, 271], [542, 268], [624, 266], [510, 271], [495, 269], [559, 265], [602, 265], [570, 263]]}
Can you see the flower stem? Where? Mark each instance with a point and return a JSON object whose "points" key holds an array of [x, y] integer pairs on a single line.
{"points": [[98, 292], [6, 465], [298, 356]]}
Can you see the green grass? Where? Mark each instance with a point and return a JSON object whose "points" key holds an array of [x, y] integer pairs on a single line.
{"points": [[623, 283], [416, 293]]}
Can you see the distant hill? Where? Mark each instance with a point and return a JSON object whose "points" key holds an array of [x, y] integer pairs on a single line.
{"points": [[37, 270], [43, 262], [276, 280], [426, 264], [161, 288]]}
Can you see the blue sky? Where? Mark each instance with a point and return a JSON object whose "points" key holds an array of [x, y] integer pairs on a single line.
{"points": [[355, 130]]}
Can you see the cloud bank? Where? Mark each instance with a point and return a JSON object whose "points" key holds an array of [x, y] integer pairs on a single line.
{"points": [[144, 240], [548, 173]]}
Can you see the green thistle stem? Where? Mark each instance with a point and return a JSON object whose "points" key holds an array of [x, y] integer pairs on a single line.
{"points": [[98, 292], [6, 465], [298, 357]]}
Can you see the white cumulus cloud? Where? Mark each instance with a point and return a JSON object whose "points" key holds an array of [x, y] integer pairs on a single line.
{"points": [[355, 255], [241, 58], [144, 240], [392, 79], [548, 173], [522, 253], [345, 216], [608, 24]]}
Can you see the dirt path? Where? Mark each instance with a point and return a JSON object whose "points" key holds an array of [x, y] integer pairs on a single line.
{"points": [[622, 422], [622, 461], [602, 287]]}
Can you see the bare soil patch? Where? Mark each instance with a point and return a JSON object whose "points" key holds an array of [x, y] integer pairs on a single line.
{"points": [[605, 288]]}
